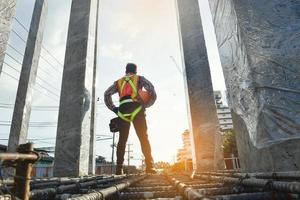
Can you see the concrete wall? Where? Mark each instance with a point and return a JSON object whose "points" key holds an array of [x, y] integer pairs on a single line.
{"points": [[204, 126], [7, 12], [259, 48]]}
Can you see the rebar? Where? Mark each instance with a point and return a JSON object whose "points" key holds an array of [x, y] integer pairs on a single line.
{"points": [[251, 196], [281, 186], [104, 193], [72, 186], [188, 192]]}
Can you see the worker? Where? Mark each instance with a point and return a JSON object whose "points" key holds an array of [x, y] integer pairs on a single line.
{"points": [[131, 109]]}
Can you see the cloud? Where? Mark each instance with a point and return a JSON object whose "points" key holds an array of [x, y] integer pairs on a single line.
{"points": [[116, 51]]}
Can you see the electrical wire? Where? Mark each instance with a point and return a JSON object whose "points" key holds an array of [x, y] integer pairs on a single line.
{"points": [[11, 76], [38, 77], [23, 26], [39, 68]]}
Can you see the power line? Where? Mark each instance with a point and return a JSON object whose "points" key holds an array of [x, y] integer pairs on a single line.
{"points": [[15, 69], [8, 104], [17, 61], [37, 83], [17, 34], [34, 126], [16, 50], [11, 76], [41, 122], [23, 26], [46, 82], [42, 69], [38, 77], [7, 74], [42, 57], [33, 139]]}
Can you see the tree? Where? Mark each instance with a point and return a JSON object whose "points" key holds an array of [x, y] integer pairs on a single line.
{"points": [[229, 143]]}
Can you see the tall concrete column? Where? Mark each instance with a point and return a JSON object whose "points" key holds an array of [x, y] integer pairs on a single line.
{"points": [[74, 120], [22, 109], [204, 126], [260, 48], [7, 12]]}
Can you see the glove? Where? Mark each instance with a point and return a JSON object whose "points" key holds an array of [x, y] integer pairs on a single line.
{"points": [[116, 110]]}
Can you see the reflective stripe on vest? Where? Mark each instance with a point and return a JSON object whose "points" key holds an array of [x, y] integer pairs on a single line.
{"points": [[133, 82], [130, 116]]}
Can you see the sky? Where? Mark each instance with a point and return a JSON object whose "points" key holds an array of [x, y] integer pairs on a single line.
{"points": [[143, 32]]}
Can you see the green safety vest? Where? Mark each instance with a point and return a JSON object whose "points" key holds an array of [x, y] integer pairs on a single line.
{"points": [[133, 82]]}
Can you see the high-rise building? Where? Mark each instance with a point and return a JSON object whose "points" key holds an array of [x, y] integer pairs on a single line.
{"points": [[224, 113], [185, 154]]}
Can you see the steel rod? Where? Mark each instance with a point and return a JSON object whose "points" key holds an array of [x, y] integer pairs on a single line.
{"points": [[76, 185], [104, 193], [250, 196], [18, 157], [188, 192], [148, 195], [281, 186]]}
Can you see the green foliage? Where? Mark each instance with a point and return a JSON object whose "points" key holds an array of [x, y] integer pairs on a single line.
{"points": [[229, 143]]}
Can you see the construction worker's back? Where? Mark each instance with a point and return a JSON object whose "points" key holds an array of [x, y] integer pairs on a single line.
{"points": [[132, 110]]}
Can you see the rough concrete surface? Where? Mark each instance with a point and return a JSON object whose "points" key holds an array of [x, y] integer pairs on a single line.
{"points": [[74, 122], [7, 12], [204, 124], [259, 48]]}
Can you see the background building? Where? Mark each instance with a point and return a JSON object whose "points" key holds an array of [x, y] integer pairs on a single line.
{"points": [[184, 155], [224, 113]]}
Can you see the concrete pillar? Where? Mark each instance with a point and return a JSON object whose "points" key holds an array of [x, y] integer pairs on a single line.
{"points": [[204, 125], [74, 120], [7, 12], [22, 109], [259, 48], [92, 156]]}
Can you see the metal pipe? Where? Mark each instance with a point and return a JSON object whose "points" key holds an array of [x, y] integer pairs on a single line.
{"points": [[107, 192], [291, 175], [227, 190], [68, 181], [281, 186], [76, 185], [147, 188], [148, 195], [21, 186], [188, 192], [250, 196], [18, 157]]}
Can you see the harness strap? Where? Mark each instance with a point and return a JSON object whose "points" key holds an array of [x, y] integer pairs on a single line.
{"points": [[131, 116], [125, 101]]}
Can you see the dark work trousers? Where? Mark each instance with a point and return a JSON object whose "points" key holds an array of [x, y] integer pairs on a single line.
{"points": [[140, 126]]}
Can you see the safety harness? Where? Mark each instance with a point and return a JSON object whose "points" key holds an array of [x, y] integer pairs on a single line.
{"points": [[129, 117]]}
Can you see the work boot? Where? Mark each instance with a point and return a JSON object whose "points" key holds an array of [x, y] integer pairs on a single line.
{"points": [[150, 170], [119, 170]]}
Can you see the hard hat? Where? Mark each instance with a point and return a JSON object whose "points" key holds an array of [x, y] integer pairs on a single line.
{"points": [[145, 96]]}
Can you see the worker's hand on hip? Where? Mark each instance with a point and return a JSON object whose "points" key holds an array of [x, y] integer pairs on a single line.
{"points": [[116, 110]]}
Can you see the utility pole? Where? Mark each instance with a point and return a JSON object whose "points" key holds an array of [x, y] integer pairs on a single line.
{"points": [[128, 153], [113, 153]]}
